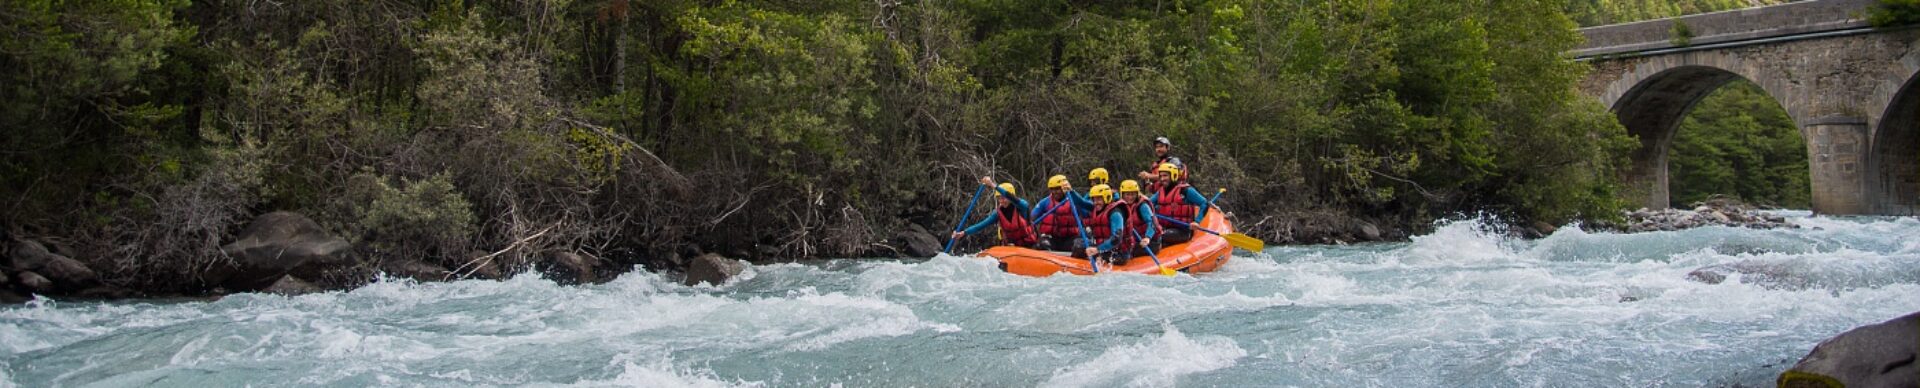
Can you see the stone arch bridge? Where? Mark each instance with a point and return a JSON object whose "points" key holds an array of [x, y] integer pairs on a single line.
{"points": [[1850, 88]]}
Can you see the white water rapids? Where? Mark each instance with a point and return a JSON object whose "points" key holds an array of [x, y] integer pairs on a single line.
{"points": [[1462, 306]]}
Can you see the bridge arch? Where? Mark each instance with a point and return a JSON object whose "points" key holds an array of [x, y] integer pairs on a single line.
{"points": [[1653, 99], [1893, 163]]}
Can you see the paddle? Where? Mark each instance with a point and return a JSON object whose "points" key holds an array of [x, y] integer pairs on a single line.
{"points": [[1082, 228], [1238, 240], [1156, 257], [963, 217]]}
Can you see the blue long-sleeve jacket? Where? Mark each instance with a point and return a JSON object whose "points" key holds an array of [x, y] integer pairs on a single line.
{"points": [[1083, 206], [1018, 204], [1191, 197], [1117, 222]]}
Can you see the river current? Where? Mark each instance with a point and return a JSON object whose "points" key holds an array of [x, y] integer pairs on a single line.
{"points": [[1463, 306]]}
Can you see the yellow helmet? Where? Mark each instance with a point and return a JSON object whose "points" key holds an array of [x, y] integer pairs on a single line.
{"points": [[1100, 192], [1008, 187], [1099, 175], [1170, 169], [1057, 181], [1129, 186]]}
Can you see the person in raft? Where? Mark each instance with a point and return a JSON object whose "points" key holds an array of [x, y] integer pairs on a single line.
{"points": [[1058, 227], [1179, 201], [1162, 154], [1011, 215], [1121, 229], [1099, 177]]}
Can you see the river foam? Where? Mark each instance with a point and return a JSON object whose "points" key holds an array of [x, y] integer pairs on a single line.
{"points": [[1466, 305]]}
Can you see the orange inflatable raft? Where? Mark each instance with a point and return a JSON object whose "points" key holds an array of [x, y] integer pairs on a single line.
{"points": [[1205, 253]]}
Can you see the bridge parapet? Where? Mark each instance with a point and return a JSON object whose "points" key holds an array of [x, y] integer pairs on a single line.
{"points": [[1726, 28]]}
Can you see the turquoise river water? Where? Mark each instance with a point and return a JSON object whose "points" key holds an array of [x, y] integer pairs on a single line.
{"points": [[1463, 306]]}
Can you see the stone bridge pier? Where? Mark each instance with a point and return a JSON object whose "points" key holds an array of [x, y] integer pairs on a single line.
{"points": [[1846, 84]]}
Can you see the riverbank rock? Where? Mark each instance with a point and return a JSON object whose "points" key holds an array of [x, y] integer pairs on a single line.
{"points": [[273, 245], [1878, 355], [290, 286], [568, 268], [415, 269], [1718, 211], [915, 241], [64, 273], [712, 269], [34, 283]]}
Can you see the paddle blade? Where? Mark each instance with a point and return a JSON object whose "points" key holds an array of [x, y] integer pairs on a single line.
{"points": [[1246, 242], [1166, 271]]}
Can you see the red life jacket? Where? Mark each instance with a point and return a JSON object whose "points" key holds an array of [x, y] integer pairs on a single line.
{"points": [[1060, 222], [1102, 230], [1013, 227], [1097, 226], [1172, 203]]}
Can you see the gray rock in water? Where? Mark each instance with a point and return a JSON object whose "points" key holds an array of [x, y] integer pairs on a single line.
{"points": [[35, 283], [1712, 274], [915, 241], [712, 269], [415, 269], [1366, 231], [270, 247], [569, 268], [69, 273], [1878, 355], [290, 286]]}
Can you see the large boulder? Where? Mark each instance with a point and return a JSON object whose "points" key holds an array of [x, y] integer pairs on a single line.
{"points": [[1878, 355], [712, 269], [568, 268], [273, 245], [34, 283], [66, 273], [915, 241]]}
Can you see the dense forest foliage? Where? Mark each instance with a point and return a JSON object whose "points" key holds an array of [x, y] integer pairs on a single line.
{"points": [[1739, 143], [1600, 12], [147, 131]]}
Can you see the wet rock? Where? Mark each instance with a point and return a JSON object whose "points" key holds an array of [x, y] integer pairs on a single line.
{"points": [[1365, 231], [712, 269], [915, 241], [568, 268], [415, 269], [290, 286], [478, 266], [6, 281], [272, 246], [69, 274], [8, 297], [1878, 355], [1713, 274], [1544, 228], [1713, 212], [1772, 276], [34, 283]]}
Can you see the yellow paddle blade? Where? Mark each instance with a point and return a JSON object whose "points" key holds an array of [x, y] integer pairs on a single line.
{"points": [[1166, 271], [1246, 242]]}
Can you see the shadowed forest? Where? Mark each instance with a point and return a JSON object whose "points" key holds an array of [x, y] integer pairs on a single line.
{"points": [[142, 134]]}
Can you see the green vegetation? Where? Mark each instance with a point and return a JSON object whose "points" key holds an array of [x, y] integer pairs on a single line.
{"points": [[1602, 12], [1738, 142], [1895, 13], [153, 128], [1680, 34]]}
